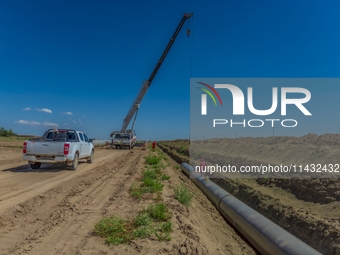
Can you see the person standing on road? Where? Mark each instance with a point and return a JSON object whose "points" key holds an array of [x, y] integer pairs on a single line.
{"points": [[203, 166], [154, 145]]}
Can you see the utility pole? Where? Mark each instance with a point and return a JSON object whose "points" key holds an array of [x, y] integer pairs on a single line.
{"points": [[236, 134]]}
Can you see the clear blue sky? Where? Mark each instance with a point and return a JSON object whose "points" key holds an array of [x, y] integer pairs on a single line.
{"points": [[89, 58]]}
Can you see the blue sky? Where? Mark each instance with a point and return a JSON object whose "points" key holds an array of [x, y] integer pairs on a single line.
{"points": [[80, 64]]}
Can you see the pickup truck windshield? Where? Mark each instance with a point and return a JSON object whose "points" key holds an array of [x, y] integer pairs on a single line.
{"points": [[122, 136]]}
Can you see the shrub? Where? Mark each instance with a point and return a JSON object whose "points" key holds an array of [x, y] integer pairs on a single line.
{"points": [[165, 177], [159, 212], [183, 195], [115, 229], [152, 160]]}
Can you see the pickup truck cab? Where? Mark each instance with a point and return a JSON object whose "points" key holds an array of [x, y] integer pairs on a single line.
{"points": [[58, 146]]}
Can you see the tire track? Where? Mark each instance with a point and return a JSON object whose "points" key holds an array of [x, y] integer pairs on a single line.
{"points": [[85, 202], [33, 184]]}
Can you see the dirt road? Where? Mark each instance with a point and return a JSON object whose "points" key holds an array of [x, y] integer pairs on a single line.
{"points": [[53, 210]]}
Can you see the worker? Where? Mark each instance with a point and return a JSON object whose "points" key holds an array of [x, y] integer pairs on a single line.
{"points": [[154, 145], [203, 166]]}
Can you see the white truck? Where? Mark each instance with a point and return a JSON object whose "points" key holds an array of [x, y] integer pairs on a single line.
{"points": [[58, 146], [122, 140]]}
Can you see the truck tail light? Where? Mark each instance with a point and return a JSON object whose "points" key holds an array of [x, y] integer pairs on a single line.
{"points": [[24, 148], [66, 148]]}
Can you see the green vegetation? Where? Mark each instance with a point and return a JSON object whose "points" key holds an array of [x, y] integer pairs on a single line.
{"points": [[13, 138], [181, 150], [152, 160], [153, 221], [161, 154], [137, 191], [159, 212], [151, 178], [115, 229], [165, 177], [183, 195], [152, 185], [150, 173], [4, 132], [12, 141]]}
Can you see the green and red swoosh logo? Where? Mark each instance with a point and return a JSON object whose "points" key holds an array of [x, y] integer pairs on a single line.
{"points": [[209, 93]]}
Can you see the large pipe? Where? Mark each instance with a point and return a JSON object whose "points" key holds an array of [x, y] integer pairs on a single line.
{"points": [[99, 142], [267, 237]]}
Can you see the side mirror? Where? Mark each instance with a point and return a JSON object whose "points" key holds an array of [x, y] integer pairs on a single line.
{"points": [[90, 141]]}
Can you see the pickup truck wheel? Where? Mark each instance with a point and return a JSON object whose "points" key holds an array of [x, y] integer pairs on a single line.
{"points": [[75, 162], [90, 159], [36, 165]]}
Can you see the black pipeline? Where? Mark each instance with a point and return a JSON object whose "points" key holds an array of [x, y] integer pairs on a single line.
{"points": [[267, 237]]}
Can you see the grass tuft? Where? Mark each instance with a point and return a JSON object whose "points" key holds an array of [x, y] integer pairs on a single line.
{"points": [[115, 229], [183, 195], [165, 177], [142, 219], [152, 185], [150, 173], [159, 212], [152, 160], [142, 232], [150, 222], [166, 226]]}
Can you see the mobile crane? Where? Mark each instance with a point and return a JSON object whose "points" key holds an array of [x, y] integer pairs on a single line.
{"points": [[127, 138]]}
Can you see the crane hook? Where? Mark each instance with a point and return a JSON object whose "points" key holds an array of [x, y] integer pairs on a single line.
{"points": [[188, 32]]}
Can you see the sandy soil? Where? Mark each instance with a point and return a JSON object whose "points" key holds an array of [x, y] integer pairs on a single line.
{"points": [[307, 208], [53, 210]]}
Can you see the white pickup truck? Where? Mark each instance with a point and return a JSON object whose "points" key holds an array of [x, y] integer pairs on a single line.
{"points": [[58, 146]]}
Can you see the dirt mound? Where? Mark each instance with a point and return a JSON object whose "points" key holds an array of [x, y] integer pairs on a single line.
{"points": [[322, 191], [318, 226], [309, 208]]}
